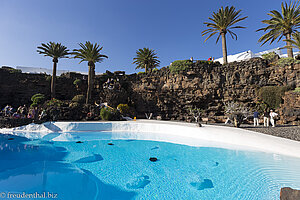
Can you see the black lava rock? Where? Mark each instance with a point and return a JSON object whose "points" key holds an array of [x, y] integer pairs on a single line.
{"points": [[153, 159]]}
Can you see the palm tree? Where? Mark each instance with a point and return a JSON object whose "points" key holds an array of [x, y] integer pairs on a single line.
{"points": [[222, 22], [282, 24], [91, 53], [55, 51], [295, 42], [146, 59]]}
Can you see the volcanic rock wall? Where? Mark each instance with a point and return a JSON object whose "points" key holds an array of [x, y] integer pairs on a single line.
{"points": [[165, 94], [17, 88], [206, 86]]}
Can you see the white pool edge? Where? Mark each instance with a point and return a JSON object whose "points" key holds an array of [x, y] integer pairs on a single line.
{"points": [[176, 132]]}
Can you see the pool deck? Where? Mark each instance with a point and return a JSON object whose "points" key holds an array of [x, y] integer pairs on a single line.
{"points": [[175, 132]]}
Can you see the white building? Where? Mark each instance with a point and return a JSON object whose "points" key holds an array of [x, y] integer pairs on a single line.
{"points": [[249, 54]]}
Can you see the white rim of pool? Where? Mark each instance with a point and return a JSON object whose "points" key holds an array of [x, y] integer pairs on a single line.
{"points": [[167, 131]]}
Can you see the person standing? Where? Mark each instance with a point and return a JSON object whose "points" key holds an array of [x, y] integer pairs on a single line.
{"points": [[255, 118], [273, 115], [266, 118]]}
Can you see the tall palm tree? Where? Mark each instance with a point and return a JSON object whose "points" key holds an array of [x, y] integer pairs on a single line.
{"points": [[91, 53], [146, 59], [55, 51], [222, 23], [295, 42], [282, 24]]}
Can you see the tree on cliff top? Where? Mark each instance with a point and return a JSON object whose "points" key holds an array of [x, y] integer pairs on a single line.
{"points": [[55, 51], [146, 59], [91, 53], [222, 23], [295, 42], [282, 24]]}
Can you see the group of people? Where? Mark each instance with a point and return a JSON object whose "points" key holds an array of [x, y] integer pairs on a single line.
{"points": [[269, 117], [211, 59], [22, 112]]}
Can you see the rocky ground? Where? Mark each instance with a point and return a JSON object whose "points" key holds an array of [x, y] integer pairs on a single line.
{"points": [[285, 131]]}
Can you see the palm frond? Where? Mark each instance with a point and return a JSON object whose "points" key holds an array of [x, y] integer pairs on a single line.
{"points": [[54, 50], [222, 21], [281, 24], [89, 52]]}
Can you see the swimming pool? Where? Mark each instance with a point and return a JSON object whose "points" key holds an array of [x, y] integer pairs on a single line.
{"points": [[111, 165]]}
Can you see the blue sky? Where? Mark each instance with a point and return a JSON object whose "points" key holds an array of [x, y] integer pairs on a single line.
{"points": [[172, 28]]}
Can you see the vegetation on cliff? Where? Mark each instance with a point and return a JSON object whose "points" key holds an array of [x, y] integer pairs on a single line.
{"points": [[272, 95], [37, 99], [180, 65]]}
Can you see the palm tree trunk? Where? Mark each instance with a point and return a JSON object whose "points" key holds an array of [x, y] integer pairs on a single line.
{"points": [[224, 49], [53, 80], [145, 68], [289, 49], [90, 84]]}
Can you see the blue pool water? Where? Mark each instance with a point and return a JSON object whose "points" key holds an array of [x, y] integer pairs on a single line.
{"points": [[101, 168]]}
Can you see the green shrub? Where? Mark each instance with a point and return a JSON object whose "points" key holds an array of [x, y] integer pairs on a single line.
{"points": [[79, 98], [261, 106], [269, 56], [123, 108], [297, 90], [272, 95], [287, 61], [15, 71], [204, 62], [139, 73], [180, 65], [11, 70], [37, 99], [55, 102], [106, 114], [77, 82]]}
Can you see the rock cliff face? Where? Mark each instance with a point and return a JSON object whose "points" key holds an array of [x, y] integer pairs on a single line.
{"points": [[166, 94], [290, 109], [17, 88], [206, 86]]}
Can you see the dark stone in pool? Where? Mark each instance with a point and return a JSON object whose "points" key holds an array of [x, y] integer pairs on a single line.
{"points": [[10, 138], [153, 159], [79, 142], [217, 163], [110, 144], [205, 184]]}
